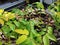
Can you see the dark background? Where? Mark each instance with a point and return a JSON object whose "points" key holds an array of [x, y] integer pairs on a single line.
{"points": [[32, 1], [4, 1]]}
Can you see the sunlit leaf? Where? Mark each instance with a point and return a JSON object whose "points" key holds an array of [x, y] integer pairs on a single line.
{"points": [[1, 21], [11, 16], [20, 31], [5, 17], [21, 39], [46, 40], [50, 30], [51, 37]]}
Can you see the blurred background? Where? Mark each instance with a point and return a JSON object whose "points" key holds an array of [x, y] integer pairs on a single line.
{"points": [[8, 4]]}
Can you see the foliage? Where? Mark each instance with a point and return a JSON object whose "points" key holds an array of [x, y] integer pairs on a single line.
{"points": [[19, 25], [55, 13]]}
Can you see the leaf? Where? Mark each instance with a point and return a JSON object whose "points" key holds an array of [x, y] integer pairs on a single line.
{"points": [[23, 21], [17, 23], [22, 26], [20, 31], [12, 34], [39, 5], [6, 29], [32, 27], [46, 40], [39, 39], [11, 15], [50, 30], [17, 11], [5, 17], [42, 33], [12, 26], [28, 26], [21, 39], [51, 36], [58, 16], [26, 42], [29, 41], [2, 22]]}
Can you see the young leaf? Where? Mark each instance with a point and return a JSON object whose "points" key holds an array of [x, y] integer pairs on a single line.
{"points": [[21, 39], [46, 40], [20, 31], [51, 36]]}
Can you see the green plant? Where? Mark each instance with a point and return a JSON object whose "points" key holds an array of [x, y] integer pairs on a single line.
{"points": [[55, 11], [25, 27]]}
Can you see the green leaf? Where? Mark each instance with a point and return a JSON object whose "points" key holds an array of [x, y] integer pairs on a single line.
{"points": [[39, 5], [39, 39], [18, 11], [50, 30], [17, 23], [29, 41], [32, 28], [21, 39], [12, 34], [6, 29], [51, 36], [42, 33], [23, 21], [12, 26], [28, 26], [46, 40]]}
